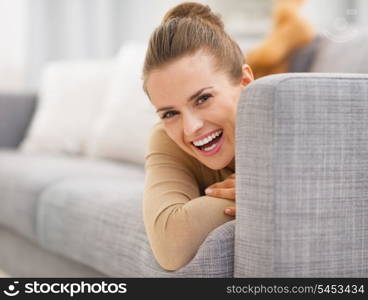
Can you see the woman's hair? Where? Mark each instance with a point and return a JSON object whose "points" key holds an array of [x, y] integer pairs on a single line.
{"points": [[187, 28]]}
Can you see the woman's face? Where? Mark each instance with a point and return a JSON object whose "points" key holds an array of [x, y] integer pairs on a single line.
{"points": [[197, 106]]}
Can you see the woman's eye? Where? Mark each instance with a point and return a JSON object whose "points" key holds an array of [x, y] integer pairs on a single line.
{"points": [[203, 99], [168, 114]]}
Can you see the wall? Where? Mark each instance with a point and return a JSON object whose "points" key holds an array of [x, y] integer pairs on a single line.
{"points": [[34, 32]]}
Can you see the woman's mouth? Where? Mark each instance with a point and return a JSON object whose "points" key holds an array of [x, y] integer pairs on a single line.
{"points": [[210, 145]]}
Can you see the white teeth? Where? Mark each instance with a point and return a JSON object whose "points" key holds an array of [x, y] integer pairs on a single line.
{"points": [[210, 147], [207, 139]]}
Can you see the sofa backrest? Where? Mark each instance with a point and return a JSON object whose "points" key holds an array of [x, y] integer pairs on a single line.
{"points": [[16, 112], [302, 177], [326, 53]]}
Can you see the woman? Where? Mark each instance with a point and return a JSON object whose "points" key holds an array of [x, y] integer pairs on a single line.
{"points": [[193, 74]]}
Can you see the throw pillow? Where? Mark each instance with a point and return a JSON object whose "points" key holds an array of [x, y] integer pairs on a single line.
{"points": [[71, 97], [122, 132]]}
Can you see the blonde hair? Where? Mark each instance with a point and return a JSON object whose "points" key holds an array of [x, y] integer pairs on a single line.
{"points": [[187, 28]]}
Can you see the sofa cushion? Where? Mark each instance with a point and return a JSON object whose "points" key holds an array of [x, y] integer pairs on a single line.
{"points": [[23, 177], [21, 257], [71, 96], [346, 54], [127, 110], [99, 223]]}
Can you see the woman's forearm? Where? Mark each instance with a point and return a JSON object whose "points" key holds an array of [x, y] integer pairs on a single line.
{"points": [[177, 232]]}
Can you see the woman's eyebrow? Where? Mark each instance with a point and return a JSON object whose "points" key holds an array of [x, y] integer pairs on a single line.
{"points": [[195, 95]]}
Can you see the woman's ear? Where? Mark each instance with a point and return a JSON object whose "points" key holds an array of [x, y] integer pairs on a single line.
{"points": [[247, 75]]}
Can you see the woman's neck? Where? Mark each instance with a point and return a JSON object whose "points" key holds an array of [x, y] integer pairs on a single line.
{"points": [[231, 165]]}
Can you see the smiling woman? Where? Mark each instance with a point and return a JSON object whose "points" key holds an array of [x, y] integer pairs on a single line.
{"points": [[211, 107], [194, 73]]}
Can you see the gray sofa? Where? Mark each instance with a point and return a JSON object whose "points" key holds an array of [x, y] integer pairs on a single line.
{"points": [[302, 188]]}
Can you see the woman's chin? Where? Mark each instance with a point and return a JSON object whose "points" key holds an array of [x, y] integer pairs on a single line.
{"points": [[215, 162], [214, 165]]}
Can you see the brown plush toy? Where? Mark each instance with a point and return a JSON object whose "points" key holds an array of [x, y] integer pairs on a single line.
{"points": [[289, 32]]}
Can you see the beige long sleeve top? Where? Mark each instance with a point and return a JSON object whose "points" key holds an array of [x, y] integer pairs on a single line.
{"points": [[177, 214]]}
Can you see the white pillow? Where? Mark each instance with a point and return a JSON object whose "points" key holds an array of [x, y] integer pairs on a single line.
{"points": [[70, 99], [123, 130]]}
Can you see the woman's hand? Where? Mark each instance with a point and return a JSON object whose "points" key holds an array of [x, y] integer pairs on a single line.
{"points": [[224, 189]]}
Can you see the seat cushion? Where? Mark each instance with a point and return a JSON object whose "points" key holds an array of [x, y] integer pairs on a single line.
{"points": [[90, 211], [23, 177], [99, 223]]}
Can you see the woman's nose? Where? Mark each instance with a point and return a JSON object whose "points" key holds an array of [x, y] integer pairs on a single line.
{"points": [[191, 124]]}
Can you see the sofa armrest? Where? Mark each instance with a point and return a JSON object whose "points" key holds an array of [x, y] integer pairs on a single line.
{"points": [[302, 177], [16, 111]]}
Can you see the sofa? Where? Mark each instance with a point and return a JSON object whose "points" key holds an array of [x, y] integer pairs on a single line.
{"points": [[302, 187]]}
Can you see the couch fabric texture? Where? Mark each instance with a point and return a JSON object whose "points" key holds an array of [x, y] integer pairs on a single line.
{"points": [[303, 182]]}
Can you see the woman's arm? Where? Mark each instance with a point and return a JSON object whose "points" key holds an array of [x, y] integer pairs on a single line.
{"points": [[176, 217]]}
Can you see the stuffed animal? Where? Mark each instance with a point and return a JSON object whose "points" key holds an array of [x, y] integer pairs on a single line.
{"points": [[289, 32]]}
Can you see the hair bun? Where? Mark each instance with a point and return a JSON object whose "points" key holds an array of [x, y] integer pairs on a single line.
{"points": [[194, 10]]}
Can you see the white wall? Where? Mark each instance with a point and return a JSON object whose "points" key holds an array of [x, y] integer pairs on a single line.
{"points": [[12, 44], [86, 29], [33, 32]]}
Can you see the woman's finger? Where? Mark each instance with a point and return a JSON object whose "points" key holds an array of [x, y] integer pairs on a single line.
{"points": [[227, 183], [232, 176], [215, 185], [231, 211], [227, 193], [219, 183]]}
